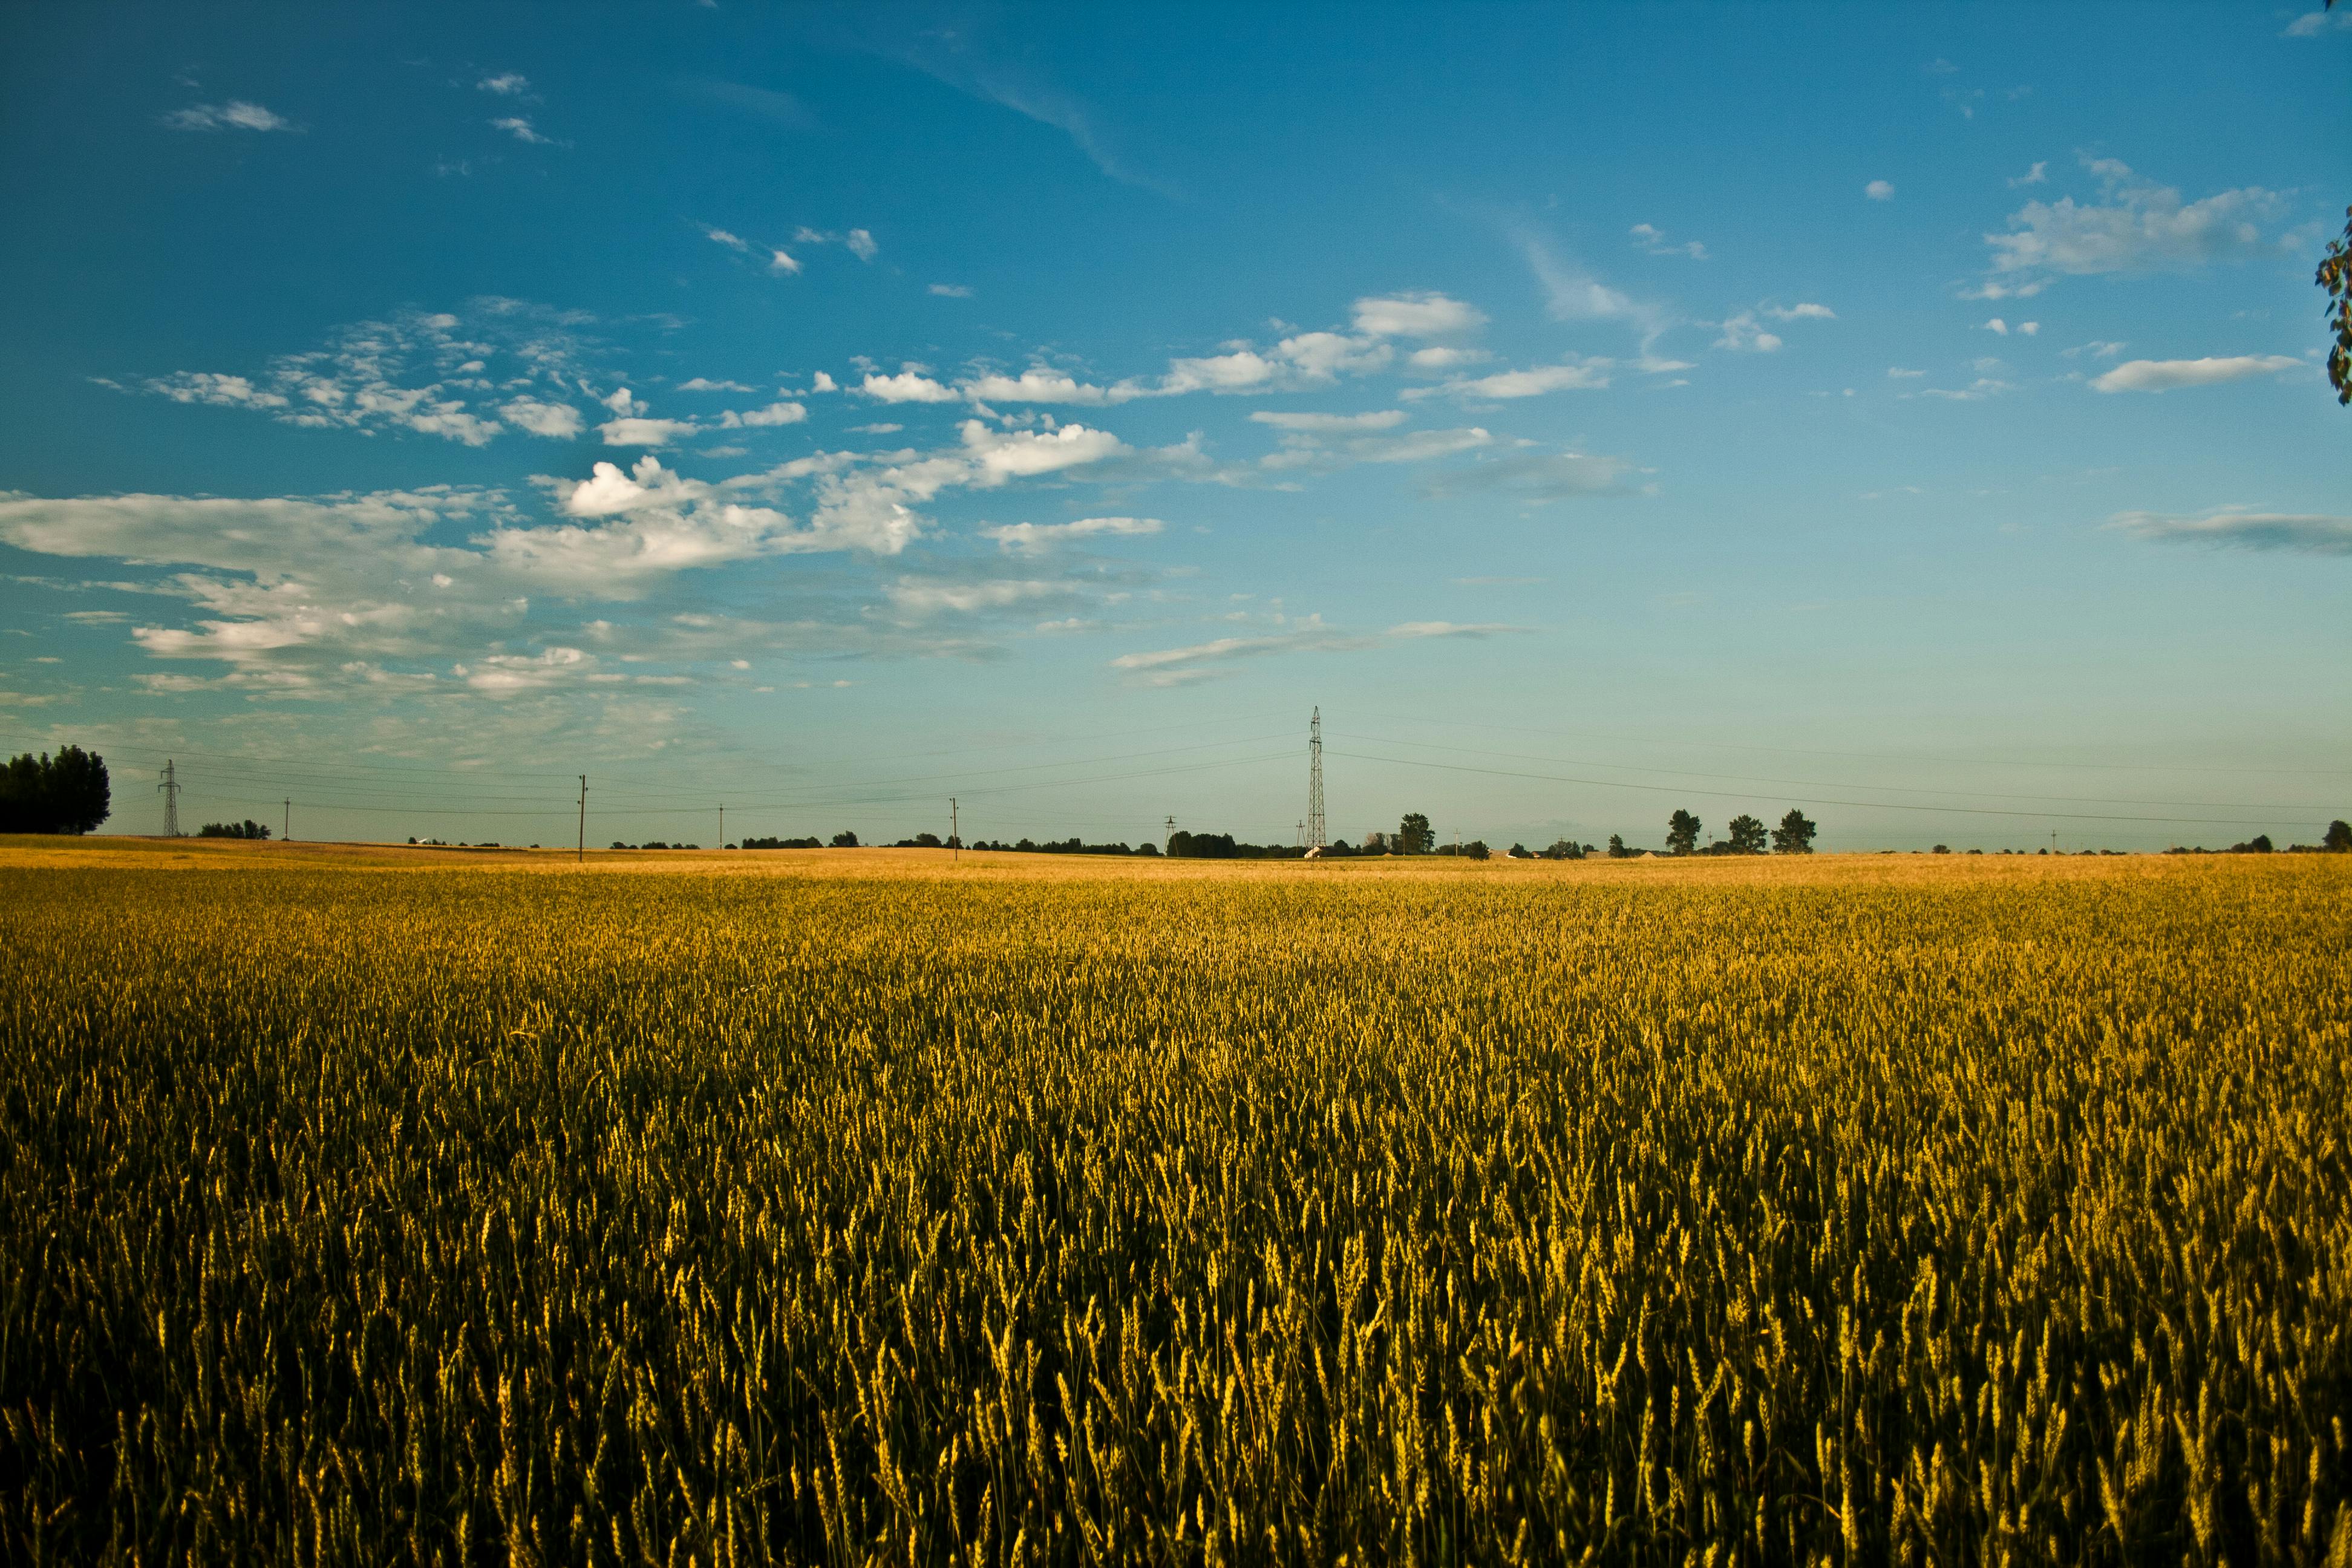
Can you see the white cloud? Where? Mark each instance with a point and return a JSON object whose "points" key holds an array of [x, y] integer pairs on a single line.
{"points": [[703, 384], [735, 242], [774, 414], [1200, 661], [506, 84], [519, 127], [821, 382], [1996, 326], [1441, 359], [1415, 315], [951, 291], [2036, 176], [1576, 376], [1573, 294], [1805, 313], [1977, 391], [556, 421], [2165, 374], [416, 372], [1331, 424], [237, 114], [1879, 190], [1037, 538], [1535, 477], [781, 264], [643, 431], [221, 390], [861, 244], [907, 386], [917, 598], [2243, 529], [1039, 383], [2096, 349], [2312, 24], [1897, 372], [2029, 329], [2137, 226], [1655, 241], [1020, 454], [1743, 334]]}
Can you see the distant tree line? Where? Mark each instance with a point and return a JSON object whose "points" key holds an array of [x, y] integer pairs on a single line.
{"points": [[67, 792], [248, 828]]}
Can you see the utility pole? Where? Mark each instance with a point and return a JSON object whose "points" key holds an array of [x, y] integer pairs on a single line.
{"points": [[286, 823], [955, 834], [1302, 833], [722, 825], [171, 788], [1170, 838], [581, 854], [1315, 837]]}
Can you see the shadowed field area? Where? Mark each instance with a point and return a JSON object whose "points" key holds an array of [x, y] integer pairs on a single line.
{"points": [[368, 1205]]}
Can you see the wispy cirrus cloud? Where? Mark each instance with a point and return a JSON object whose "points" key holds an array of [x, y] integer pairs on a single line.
{"points": [[1207, 661], [237, 114]]}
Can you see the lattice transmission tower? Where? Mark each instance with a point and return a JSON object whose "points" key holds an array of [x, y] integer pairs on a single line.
{"points": [[171, 788], [1315, 836]]}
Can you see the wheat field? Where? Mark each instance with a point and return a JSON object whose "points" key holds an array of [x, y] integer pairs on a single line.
{"points": [[852, 1207]]}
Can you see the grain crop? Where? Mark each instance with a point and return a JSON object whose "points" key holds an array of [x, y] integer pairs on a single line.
{"points": [[848, 1208]]}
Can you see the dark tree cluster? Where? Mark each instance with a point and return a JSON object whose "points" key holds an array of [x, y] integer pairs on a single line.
{"points": [[1064, 846], [67, 792], [248, 828]]}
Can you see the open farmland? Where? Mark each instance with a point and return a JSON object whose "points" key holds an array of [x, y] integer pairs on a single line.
{"points": [[845, 1207]]}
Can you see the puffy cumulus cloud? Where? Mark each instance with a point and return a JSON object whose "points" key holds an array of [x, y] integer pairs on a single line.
{"points": [[556, 421], [1801, 313], [1439, 357], [1002, 455], [1573, 375], [1417, 314], [907, 386], [1743, 333], [1879, 190], [2241, 527], [607, 491], [1037, 538], [1040, 384], [756, 418], [704, 384], [237, 114], [2135, 225], [2165, 374]]}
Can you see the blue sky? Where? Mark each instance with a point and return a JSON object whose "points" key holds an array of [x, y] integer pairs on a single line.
{"points": [[1915, 413]]}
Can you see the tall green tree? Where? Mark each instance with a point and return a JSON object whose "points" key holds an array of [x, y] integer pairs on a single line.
{"points": [[67, 792], [1413, 835], [1682, 832], [2335, 275], [1746, 835], [1795, 834], [2339, 837]]}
